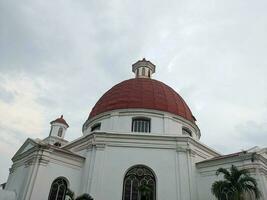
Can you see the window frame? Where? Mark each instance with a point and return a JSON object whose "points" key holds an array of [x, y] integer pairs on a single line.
{"points": [[64, 184], [96, 127], [60, 132], [187, 131], [138, 174], [139, 125]]}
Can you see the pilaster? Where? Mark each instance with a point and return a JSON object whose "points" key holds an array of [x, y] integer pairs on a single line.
{"points": [[186, 176]]}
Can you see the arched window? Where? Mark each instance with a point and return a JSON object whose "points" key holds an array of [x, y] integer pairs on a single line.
{"points": [[148, 73], [58, 189], [186, 131], [60, 131], [139, 184], [141, 124], [143, 71]]}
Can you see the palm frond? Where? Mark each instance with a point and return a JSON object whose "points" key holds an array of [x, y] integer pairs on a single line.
{"points": [[235, 185], [221, 189], [225, 173], [252, 188]]}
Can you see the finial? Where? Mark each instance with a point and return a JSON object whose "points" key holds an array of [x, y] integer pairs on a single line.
{"points": [[143, 68], [61, 116]]}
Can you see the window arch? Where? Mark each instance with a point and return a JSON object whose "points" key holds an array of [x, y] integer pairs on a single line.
{"points": [[58, 189], [141, 124], [139, 184], [60, 131], [187, 131]]}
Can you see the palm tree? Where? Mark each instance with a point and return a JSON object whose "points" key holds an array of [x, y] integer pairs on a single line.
{"points": [[70, 196], [84, 196], [236, 184]]}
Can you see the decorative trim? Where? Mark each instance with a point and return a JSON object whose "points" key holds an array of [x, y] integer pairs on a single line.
{"points": [[130, 111], [138, 140]]}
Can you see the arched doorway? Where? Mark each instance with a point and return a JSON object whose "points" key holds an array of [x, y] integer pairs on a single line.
{"points": [[139, 184]]}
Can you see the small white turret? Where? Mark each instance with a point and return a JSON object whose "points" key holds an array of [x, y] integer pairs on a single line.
{"points": [[58, 127], [57, 132], [143, 69]]}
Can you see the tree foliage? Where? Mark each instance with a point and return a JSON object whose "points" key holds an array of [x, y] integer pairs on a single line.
{"points": [[70, 196], [84, 197], [236, 185]]}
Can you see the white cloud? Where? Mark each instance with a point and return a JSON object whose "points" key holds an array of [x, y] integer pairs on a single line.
{"points": [[60, 57], [22, 114]]}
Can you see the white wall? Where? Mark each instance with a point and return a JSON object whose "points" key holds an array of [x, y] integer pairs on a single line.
{"points": [[120, 121], [111, 163], [47, 174], [17, 181], [207, 176]]}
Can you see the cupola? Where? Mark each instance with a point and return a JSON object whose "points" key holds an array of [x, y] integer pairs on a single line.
{"points": [[143, 68], [57, 131]]}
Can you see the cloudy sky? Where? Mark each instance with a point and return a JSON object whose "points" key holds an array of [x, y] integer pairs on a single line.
{"points": [[59, 57]]}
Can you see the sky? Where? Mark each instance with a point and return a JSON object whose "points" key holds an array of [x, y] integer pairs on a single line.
{"points": [[59, 57]]}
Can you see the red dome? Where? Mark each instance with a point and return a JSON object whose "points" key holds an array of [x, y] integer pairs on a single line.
{"points": [[143, 93]]}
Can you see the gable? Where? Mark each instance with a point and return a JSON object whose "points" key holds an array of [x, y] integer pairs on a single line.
{"points": [[27, 145]]}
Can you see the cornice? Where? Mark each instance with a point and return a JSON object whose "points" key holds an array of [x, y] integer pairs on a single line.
{"points": [[136, 140], [253, 158], [43, 154]]}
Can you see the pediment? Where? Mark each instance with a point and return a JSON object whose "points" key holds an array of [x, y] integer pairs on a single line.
{"points": [[27, 145]]}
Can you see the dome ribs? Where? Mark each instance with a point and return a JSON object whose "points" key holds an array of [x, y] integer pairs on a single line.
{"points": [[142, 93], [147, 100], [160, 101]]}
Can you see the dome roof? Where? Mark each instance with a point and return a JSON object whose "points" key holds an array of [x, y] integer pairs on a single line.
{"points": [[143, 93]]}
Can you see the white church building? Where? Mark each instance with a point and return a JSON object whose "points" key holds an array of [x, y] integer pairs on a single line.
{"points": [[139, 131]]}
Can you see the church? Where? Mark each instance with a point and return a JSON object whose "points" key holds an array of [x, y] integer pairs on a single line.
{"points": [[139, 132]]}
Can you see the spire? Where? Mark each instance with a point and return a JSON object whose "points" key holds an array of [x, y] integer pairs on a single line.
{"points": [[143, 68]]}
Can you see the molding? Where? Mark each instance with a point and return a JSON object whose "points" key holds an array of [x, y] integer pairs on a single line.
{"points": [[137, 140], [182, 148], [250, 161], [223, 160], [232, 158], [132, 111], [56, 138], [43, 154], [95, 119], [186, 149], [23, 146]]}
